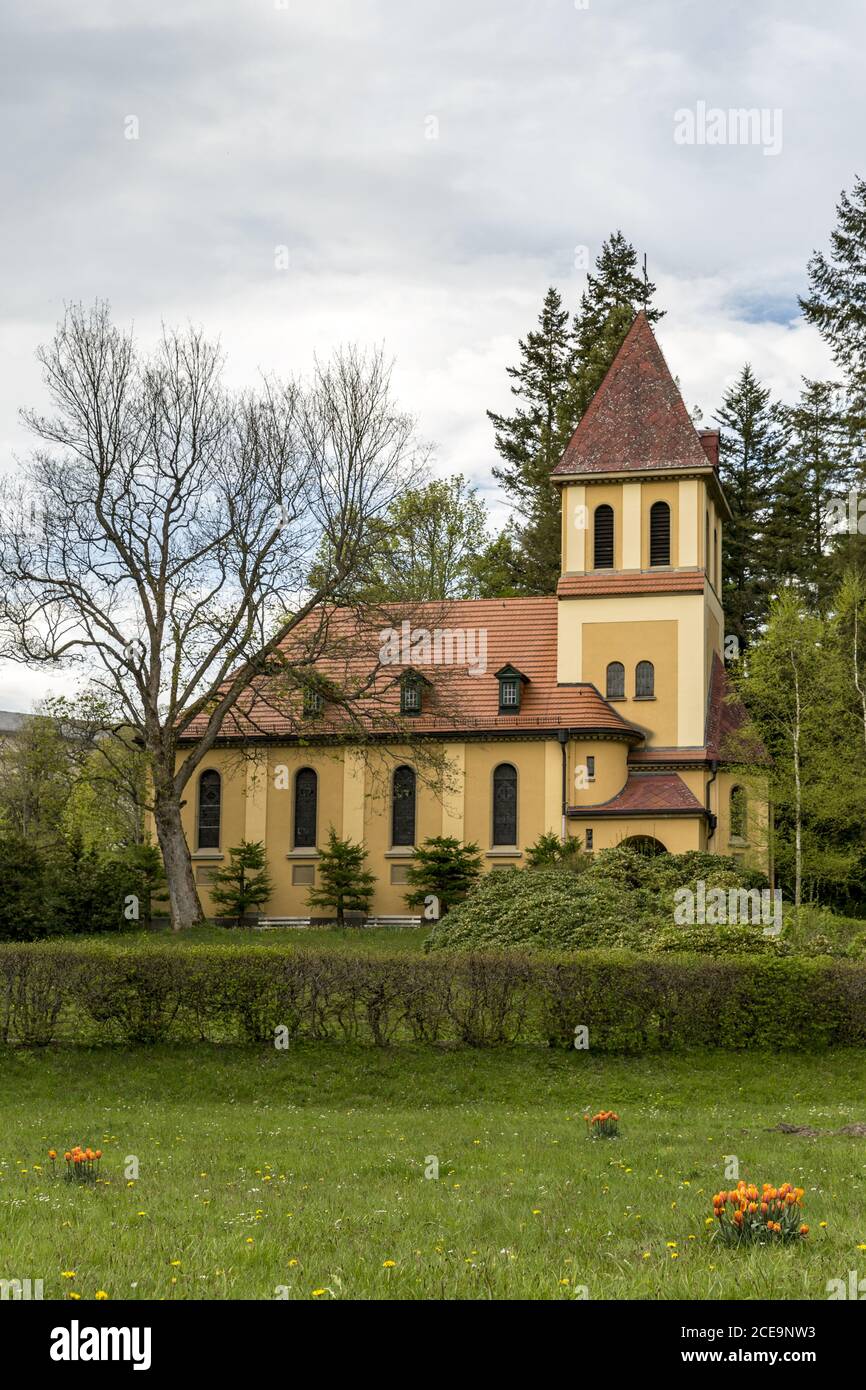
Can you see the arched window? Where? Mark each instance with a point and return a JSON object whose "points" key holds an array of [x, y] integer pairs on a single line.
{"points": [[616, 681], [209, 799], [403, 807], [739, 814], [603, 538], [708, 559], [505, 805], [644, 680], [306, 806], [644, 844], [660, 534]]}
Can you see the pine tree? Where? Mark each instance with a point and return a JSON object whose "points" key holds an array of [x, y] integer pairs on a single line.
{"points": [[344, 883], [244, 883], [612, 297], [837, 302], [445, 869], [816, 470], [531, 442], [560, 369], [752, 439]]}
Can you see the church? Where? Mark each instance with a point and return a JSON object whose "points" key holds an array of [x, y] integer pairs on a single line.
{"points": [[600, 711]]}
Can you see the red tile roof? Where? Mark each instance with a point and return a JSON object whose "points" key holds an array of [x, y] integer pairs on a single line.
{"points": [[637, 582], [522, 631], [637, 420], [644, 794]]}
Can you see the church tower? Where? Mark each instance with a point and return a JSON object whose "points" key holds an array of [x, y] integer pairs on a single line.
{"points": [[639, 613]]}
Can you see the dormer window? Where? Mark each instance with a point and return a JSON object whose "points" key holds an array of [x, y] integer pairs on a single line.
{"points": [[411, 687], [511, 682], [314, 702]]}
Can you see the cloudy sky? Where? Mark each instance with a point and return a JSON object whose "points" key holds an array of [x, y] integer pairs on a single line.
{"points": [[293, 174]]}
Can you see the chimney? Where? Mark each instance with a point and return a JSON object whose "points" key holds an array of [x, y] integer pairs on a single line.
{"points": [[710, 445]]}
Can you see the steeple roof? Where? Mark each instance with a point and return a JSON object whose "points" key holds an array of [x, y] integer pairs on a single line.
{"points": [[637, 420]]}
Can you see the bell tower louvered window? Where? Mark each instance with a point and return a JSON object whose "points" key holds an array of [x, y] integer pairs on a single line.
{"points": [[660, 534], [644, 680], [615, 681], [403, 807], [603, 538], [209, 802], [505, 805], [306, 803]]}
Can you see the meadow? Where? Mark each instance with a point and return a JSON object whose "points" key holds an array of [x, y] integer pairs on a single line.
{"points": [[312, 1173]]}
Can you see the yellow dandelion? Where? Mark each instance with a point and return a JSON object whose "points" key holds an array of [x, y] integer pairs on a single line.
{"points": [[389, 1264], [67, 1274], [101, 1294], [317, 1293], [175, 1264]]}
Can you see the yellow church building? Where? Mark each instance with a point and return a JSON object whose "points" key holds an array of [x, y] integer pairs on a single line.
{"points": [[599, 711]]}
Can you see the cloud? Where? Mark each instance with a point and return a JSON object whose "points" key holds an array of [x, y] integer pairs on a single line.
{"points": [[430, 168]]}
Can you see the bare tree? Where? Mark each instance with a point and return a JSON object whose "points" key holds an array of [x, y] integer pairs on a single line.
{"points": [[161, 536]]}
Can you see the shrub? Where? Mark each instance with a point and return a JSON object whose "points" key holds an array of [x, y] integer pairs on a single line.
{"points": [[21, 900], [244, 883], [345, 883], [625, 900], [131, 993], [444, 868]]}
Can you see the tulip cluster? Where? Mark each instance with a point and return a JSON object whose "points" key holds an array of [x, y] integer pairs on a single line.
{"points": [[745, 1214], [82, 1165], [603, 1125]]}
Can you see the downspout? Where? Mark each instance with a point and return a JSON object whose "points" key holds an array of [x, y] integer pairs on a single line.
{"points": [[712, 821], [563, 743]]}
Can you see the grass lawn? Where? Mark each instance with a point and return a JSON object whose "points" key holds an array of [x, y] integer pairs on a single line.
{"points": [[375, 940], [305, 1169]]}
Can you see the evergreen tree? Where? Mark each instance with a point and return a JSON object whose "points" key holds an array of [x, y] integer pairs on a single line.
{"points": [[22, 901], [752, 439], [345, 884], [836, 304], [561, 367], [612, 297], [244, 883], [530, 443], [444, 868], [815, 472], [550, 852]]}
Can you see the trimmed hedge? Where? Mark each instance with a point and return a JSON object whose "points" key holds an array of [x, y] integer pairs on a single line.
{"points": [[56, 991]]}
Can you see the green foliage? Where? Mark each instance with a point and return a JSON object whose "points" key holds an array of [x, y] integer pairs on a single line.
{"points": [[36, 774], [443, 867], [21, 900], [345, 883], [622, 899], [111, 991], [561, 367], [243, 884], [836, 304], [549, 852]]}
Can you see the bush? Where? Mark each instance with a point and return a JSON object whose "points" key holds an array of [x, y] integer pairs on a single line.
{"points": [[622, 900], [23, 889], [133, 994], [70, 890]]}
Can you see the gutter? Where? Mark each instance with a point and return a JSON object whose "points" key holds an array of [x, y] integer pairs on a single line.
{"points": [[562, 736], [712, 821]]}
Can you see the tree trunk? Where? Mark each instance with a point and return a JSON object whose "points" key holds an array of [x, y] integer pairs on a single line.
{"points": [[186, 909]]}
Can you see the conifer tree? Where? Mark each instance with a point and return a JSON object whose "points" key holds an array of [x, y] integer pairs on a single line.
{"points": [[560, 369], [816, 472], [836, 304], [345, 884], [244, 883], [530, 443], [444, 868], [752, 438], [612, 297]]}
